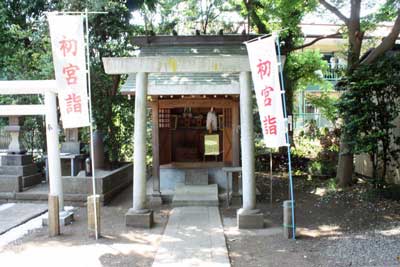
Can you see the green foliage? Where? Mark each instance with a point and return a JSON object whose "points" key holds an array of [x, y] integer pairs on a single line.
{"points": [[305, 68], [186, 17], [369, 107], [306, 147], [26, 54], [326, 102]]}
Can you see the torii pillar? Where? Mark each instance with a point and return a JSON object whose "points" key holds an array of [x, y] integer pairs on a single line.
{"points": [[139, 215], [248, 216]]}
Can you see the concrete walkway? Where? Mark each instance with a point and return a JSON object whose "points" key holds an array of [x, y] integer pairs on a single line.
{"points": [[194, 236], [14, 214]]}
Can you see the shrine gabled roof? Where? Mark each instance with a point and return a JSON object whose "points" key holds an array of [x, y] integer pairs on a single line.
{"points": [[189, 83]]}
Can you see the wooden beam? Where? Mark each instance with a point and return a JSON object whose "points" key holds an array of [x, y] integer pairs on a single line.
{"points": [[235, 146], [199, 103], [175, 64], [27, 87], [22, 110]]}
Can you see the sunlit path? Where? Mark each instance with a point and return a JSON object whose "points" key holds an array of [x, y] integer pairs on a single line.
{"points": [[193, 237]]}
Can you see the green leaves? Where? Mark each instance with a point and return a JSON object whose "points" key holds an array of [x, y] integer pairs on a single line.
{"points": [[369, 107]]}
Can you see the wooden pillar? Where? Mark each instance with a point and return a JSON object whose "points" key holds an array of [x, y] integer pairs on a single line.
{"points": [[235, 146], [156, 147], [93, 202], [54, 216]]}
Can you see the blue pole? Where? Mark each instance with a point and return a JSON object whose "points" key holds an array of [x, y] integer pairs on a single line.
{"points": [[287, 136]]}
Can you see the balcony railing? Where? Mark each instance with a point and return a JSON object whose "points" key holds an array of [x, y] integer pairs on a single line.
{"points": [[300, 120], [334, 72]]}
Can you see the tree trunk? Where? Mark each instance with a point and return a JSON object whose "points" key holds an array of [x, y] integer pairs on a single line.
{"points": [[344, 173]]}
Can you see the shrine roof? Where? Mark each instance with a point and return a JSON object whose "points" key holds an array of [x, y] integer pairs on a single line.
{"points": [[189, 83]]}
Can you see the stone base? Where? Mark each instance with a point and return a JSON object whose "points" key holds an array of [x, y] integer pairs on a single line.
{"points": [[236, 199], [250, 219], [140, 220], [16, 160], [196, 177], [155, 200], [66, 217]]}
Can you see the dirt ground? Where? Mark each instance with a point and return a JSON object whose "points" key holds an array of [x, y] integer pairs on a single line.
{"points": [[119, 245], [343, 229]]}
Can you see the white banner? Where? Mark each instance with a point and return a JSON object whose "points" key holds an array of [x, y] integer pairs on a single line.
{"points": [[265, 74], [68, 46]]}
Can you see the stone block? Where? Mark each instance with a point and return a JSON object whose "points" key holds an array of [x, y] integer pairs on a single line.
{"points": [[196, 177], [10, 183], [196, 195], [155, 200], [23, 170], [31, 180], [139, 220], [65, 217], [250, 219], [93, 221], [16, 160]]}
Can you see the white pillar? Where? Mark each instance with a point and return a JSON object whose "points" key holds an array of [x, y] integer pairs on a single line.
{"points": [[247, 142], [53, 152], [139, 143]]}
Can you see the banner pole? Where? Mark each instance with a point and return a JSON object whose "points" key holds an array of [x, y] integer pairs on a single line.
{"points": [[270, 175], [91, 125], [287, 138]]}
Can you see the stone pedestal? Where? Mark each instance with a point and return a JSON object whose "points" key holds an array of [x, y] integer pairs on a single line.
{"points": [[18, 172], [140, 219], [66, 217], [155, 199], [250, 219]]}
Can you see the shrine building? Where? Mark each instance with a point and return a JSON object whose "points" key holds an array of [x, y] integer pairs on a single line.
{"points": [[199, 92]]}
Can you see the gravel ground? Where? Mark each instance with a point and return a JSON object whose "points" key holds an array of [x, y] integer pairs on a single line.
{"points": [[341, 229]]}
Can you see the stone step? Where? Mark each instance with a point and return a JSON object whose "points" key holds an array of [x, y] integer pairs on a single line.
{"points": [[196, 176], [195, 195], [16, 160], [23, 170]]}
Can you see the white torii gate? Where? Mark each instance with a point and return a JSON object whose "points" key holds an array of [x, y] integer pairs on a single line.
{"points": [[248, 216], [48, 88]]}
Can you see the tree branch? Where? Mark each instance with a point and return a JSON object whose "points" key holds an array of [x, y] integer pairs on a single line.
{"points": [[386, 44], [337, 34], [335, 11]]}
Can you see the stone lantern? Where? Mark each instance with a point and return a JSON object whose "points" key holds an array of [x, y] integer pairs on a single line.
{"points": [[16, 146]]}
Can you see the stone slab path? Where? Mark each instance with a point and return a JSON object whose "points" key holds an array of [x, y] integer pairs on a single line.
{"points": [[14, 214], [194, 236]]}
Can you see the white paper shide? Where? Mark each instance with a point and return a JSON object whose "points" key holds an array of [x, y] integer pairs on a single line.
{"points": [[265, 75], [67, 41]]}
